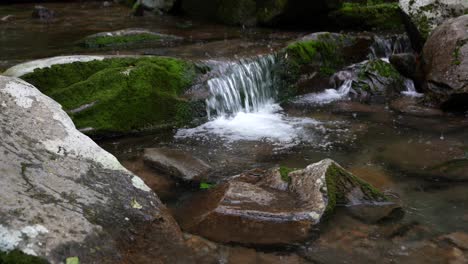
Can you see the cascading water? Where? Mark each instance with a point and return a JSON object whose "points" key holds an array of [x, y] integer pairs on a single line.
{"points": [[383, 48], [327, 96], [246, 86], [242, 106], [410, 89]]}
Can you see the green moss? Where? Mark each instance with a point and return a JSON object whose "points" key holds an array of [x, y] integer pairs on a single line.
{"points": [[72, 260], [339, 182], [323, 51], [125, 94], [116, 41], [18, 257], [456, 53], [284, 172], [381, 68], [206, 186], [373, 14]]}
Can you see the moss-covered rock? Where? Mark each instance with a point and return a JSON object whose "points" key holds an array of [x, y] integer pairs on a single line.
{"points": [[120, 95], [126, 38], [370, 15], [319, 55], [18, 257], [260, 208], [373, 79]]}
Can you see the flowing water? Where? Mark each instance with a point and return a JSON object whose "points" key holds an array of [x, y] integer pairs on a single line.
{"points": [[247, 128]]}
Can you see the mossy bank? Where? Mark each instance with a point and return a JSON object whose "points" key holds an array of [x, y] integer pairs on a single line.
{"points": [[120, 95]]}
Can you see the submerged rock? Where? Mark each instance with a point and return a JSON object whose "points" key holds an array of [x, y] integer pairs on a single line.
{"points": [[438, 159], [414, 106], [176, 163], [120, 95], [445, 56], [64, 196], [127, 38], [43, 13], [281, 206]]}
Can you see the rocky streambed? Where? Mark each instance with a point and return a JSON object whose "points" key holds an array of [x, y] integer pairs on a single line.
{"points": [[234, 132]]}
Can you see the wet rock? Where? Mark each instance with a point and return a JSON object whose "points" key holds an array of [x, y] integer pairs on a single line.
{"points": [[7, 18], [459, 239], [414, 106], [258, 210], [306, 65], [132, 37], [177, 163], [405, 63], [372, 81], [64, 196], [211, 252], [428, 14], [43, 13], [165, 187], [438, 159], [445, 57], [118, 95]]}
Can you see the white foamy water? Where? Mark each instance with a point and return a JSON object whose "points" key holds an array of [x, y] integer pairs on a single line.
{"points": [[410, 89], [243, 101], [327, 96], [268, 123]]}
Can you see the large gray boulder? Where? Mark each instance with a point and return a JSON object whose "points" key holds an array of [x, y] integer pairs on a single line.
{"points": [[428, 14], [64, 196], [277, 206], [445, 65]]}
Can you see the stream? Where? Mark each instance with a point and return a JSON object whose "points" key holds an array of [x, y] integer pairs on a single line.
{"points": [[247, 128]]}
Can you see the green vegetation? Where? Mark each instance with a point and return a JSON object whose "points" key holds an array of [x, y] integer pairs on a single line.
{"points": [[370, 15], [116, 40], [389, 79], [206, 186], [339, 182], [322, 51], [456, 52], [322, 54], [72, 260], [284, 172], [381, 68], [120, 95], [18, 257]]}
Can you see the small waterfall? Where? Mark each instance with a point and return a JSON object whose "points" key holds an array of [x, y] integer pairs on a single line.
{"points": [[327, 96], [410, 89], [246, 86], [386, 47]]}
